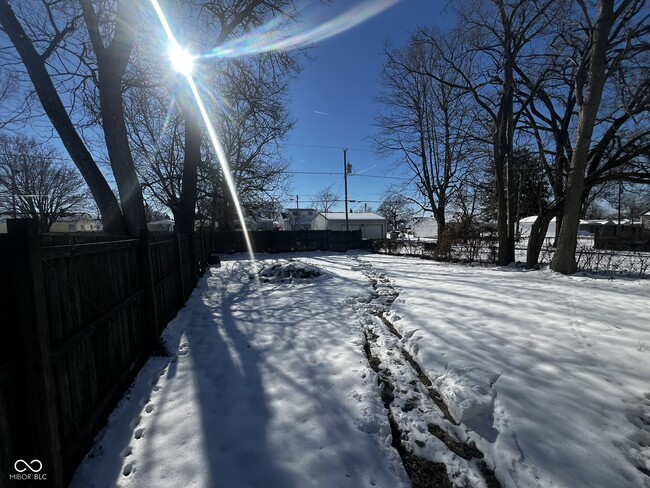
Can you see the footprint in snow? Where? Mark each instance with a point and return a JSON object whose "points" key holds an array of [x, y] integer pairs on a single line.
{"points": [[128, 469], [635, 448], [138, 433]]}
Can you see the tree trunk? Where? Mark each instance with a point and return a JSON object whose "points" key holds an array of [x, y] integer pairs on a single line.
{"points": [[107, 203], [502, 161], [111, 66], [119, 152], [538, 235], [564, 260], [506, 248], [187, 203], [441, 221]]}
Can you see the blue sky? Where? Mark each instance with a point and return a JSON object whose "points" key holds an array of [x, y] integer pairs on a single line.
{"points": [[332, 100]]}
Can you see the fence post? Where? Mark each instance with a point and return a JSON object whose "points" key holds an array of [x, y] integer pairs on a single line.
{"points": [[179, 260], [146, 271], [192, 256], [37, 409], [203, 256]]}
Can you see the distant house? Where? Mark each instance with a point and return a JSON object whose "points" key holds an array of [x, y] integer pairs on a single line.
{"points": [[592, 227], [371, 225], [526, 225], [296, 219], [264, 223], [165, 225], [3, 225], [80, 222], [645, 221], [250, 222], [423, 227]]}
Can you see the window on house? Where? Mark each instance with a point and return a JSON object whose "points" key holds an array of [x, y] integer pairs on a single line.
{"points": [[70, 226]]}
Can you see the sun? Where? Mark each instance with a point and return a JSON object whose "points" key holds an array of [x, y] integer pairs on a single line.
{"points": [[181, 59]]}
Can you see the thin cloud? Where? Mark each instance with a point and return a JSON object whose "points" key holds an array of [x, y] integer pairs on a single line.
{"points": [[320, 113]]}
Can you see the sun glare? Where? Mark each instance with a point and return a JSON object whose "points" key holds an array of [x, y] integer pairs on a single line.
{"points": [[181, 59], [270, 38]]}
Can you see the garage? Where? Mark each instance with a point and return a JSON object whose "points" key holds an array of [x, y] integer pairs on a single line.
{"points": [[371, 225], [373, 231]]}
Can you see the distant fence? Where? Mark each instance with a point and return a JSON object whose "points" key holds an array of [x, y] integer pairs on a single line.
{"points": [[80, 316], [230, 242], [589, 259]]}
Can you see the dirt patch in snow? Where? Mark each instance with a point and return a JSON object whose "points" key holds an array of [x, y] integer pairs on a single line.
{"points": [[288, 272]]}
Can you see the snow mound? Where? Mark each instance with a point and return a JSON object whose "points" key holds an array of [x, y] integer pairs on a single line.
{"points": [[467, 390], [288, 271]]}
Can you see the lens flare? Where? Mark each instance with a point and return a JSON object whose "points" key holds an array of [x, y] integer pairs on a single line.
{"points": [[279, 35]]}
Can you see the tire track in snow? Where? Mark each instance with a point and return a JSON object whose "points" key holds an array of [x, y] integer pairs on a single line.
{"points": [[434, 448]]}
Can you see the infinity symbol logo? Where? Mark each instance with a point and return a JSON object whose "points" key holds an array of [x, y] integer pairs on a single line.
{"points": [[29, 466]]}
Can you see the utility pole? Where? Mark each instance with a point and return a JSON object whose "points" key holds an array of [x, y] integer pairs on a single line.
{"points": [[13, 190], [345, 178], [297, 207], [620, 193]]}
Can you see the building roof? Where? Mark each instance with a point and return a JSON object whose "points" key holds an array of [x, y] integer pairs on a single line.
{"points": [[352, 216], [595, 221], [301, 210], [532, 219], [76, 217]]}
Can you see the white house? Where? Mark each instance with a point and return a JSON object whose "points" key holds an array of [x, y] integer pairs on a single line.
{"points": [[165, 225], [296, 219], [264, 223], [371, 225], [645, 221], [82, 222], [424, 227], [526, 224]]}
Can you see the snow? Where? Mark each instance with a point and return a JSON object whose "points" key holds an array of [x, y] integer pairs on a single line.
{"points": [[572, 354], [466, 389], [268, 384]]}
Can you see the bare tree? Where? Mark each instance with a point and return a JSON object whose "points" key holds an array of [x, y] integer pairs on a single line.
{"points": [[251, 128], [100, 62], [36, 183], [396, 209], [246, 97], [110, 27], [219, 22], [326, 199], [49, 28], [426, 119], [614, 35]]}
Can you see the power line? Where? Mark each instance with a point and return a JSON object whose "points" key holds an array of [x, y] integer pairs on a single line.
{"points": [[311, 173], [382, 177], [330, 147], [339, 174]]}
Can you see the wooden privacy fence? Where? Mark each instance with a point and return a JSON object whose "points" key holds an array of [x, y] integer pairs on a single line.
{"points": [[80, 316], [79, 319], [230, 242]]}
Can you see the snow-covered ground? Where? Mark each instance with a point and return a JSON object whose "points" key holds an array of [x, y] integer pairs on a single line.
{"points": [[306, 381]]}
